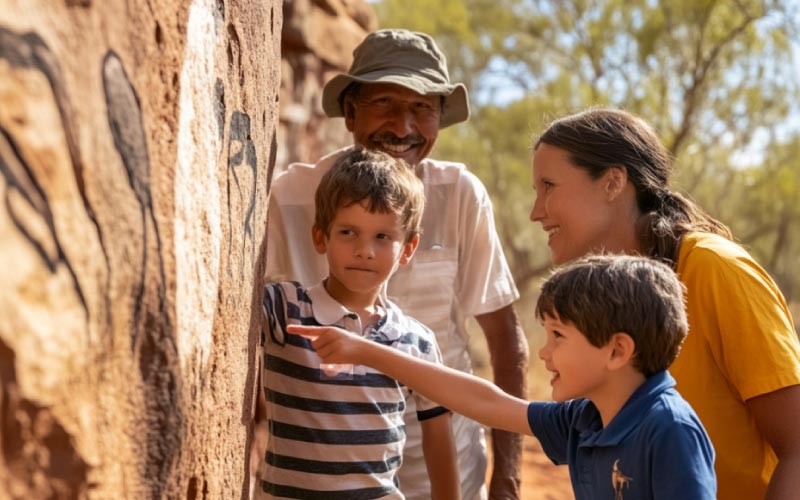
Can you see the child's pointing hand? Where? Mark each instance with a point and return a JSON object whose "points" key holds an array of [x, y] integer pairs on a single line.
{"points": [[333, 345]]}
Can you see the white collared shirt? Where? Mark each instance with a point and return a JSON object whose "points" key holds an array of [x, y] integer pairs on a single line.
{"points": [[458, 271]]}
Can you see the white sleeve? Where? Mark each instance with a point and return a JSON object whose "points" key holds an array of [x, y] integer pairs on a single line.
{"points": [[484, 282]]}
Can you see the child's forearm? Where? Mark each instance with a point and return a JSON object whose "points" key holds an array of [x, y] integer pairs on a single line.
{"points": [[462, 393]]}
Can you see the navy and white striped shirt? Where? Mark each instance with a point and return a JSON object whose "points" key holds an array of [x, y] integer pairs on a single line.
{"points": [[341, 435]]}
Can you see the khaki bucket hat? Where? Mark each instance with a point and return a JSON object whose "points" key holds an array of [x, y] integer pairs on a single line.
{"points": [[404, 58]]}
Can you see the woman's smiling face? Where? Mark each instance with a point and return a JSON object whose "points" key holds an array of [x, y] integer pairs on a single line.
{"points": [[572, 208]]}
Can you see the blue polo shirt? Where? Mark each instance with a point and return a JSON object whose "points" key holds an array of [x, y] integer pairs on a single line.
{"points": [[654, 448]]}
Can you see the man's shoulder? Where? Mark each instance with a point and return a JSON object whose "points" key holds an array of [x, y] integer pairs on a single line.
{"points": [[447, 169], [299, 173], [443, 164], [449, 172]]}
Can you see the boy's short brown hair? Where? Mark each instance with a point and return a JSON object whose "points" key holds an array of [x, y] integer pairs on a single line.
{"points": [[603, 295], [378, 180]]}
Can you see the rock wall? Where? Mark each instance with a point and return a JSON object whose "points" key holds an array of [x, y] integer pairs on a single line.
{"points": [[318, 41], [137, 140]]}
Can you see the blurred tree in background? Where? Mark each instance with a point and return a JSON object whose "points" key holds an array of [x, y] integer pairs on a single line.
{"points": [[718, 79]]}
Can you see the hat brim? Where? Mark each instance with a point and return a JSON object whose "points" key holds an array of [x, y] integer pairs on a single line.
{"points": [[455, 107]]}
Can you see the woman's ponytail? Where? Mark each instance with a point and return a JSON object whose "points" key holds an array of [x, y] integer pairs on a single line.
{"points": [[661, 229]]}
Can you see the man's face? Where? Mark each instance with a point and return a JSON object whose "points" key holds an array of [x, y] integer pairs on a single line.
{"points": [[395, 120]]}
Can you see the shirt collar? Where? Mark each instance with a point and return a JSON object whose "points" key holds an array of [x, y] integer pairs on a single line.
{"points": [[624, 422], [328, 311]]}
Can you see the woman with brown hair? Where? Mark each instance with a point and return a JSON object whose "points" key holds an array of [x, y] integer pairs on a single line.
{"points": [[601, 180]]}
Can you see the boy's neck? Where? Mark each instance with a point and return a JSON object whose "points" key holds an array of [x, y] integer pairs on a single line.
{"points": [[365, 305], [617, 390]]}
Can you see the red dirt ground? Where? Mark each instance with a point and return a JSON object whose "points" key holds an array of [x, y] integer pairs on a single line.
{"points": [[541, 480]]}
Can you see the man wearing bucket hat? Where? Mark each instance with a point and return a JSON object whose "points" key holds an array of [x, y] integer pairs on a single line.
{"points": [[395, 98]]}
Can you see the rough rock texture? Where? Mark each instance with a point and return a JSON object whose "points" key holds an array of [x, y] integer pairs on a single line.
{"points": [[137, 139], [318, 41]]}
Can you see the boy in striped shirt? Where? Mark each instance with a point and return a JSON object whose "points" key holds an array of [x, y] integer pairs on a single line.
{"points": [[336, 431]]}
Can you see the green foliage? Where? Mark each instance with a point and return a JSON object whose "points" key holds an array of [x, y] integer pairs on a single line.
{"points": [[767, 216], [717, 78]]}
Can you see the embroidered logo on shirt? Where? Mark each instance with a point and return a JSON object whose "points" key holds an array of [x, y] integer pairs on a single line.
{"points": [[619, 480]]}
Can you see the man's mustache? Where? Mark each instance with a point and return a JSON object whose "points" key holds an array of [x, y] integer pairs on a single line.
{"points": [[390, 138]]}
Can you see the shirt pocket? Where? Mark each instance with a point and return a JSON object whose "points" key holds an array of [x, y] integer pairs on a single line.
{"points": [[424, 288]]}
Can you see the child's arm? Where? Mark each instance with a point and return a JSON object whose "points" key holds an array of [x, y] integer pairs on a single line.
{"points": [[462, 393], [440, 457]]}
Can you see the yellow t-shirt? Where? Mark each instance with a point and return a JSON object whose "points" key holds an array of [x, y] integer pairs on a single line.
{"points": [[741, 344]]}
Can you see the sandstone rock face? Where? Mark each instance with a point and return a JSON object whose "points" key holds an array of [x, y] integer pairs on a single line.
{"points": [[318, 41], [137, 140]]}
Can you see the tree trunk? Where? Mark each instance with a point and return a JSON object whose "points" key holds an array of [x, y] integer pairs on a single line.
{"points": [[137, 140]]}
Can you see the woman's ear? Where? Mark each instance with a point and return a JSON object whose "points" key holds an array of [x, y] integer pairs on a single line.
{"points": [[615, 179], [623, 349], [320, 239]]}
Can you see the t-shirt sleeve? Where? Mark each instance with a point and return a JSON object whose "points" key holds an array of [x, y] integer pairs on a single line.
{"points": [[274, 306], [682, 461], [551, 423], [424, 346], [484, 282], [745, 319]]}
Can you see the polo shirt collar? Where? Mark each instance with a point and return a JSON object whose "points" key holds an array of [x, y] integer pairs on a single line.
{"points": [[328, 311], [590, 426]]}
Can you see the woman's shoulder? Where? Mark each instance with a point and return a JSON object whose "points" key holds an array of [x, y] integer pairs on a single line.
{"points": [[708, 242], [712, 259], [704, 250]]}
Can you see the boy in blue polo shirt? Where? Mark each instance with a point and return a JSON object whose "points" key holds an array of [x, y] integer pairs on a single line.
{"points": [[336, 430], [614, 324]]}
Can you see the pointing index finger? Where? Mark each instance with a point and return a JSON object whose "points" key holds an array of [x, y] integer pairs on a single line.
{"points": [[309, 332]]}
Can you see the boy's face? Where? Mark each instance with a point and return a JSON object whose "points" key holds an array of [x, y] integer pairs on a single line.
{"points": [[579, 369], [363, 250]]}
